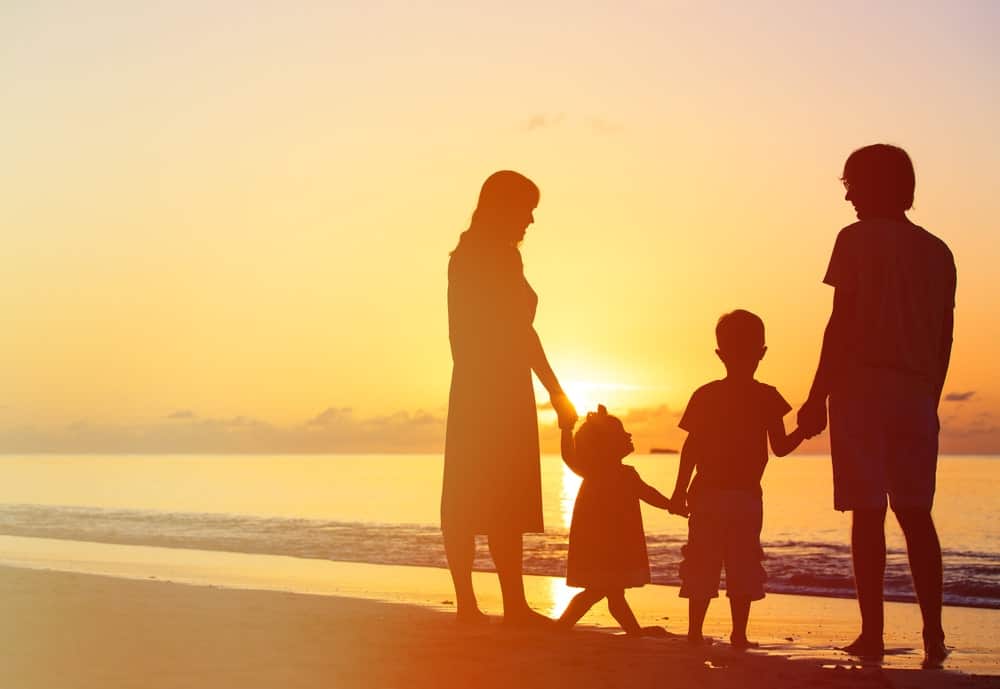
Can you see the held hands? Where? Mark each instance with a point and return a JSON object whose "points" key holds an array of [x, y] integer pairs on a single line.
{"points": [[812, 417], [678, 504], [565, 410]]}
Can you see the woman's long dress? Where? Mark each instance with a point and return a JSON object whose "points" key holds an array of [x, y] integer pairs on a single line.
{"points": [[492, 480]]}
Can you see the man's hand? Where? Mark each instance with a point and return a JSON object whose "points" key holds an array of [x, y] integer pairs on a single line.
{"points": [[678, 505], [812, 417]]}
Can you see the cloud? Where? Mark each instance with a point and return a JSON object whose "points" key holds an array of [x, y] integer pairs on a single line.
{"points": [[602, 126], [542, 121], [336, 429], [959, 396], [182, 414]]}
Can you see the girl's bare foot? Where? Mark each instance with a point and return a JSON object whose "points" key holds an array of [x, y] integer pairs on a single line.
{"points": [[528, 619]]}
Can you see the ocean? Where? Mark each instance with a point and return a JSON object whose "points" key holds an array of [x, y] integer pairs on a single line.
{"points": [[383, 509]]}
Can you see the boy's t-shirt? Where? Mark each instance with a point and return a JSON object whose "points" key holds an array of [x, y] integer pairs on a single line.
{"points": [[729, 421]]}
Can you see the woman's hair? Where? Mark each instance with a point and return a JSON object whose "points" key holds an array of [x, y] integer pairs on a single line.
{"points": [[591, 437], [503, 190], [884, 175]]}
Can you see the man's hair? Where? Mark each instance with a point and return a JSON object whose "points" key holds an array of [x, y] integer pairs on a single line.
{"points": [[884, 173], [739, 330]]}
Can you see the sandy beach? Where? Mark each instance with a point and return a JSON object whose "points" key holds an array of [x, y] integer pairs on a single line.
{"points": [[63, 630]]}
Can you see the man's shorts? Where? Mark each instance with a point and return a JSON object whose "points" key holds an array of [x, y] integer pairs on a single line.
{"points": [[884, 442], [724, 530]]}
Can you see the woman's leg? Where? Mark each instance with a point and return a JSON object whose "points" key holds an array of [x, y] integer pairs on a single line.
{"points": [[620, 610], [460, 549], [506, 551]]}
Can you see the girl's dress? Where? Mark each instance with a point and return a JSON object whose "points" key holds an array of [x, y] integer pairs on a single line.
{"points": [[607, 544]]}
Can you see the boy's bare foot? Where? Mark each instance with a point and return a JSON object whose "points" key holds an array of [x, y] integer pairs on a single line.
{"points": [[741, 643], [934, 655], [865, 648], [698, 640], [472, 617]]}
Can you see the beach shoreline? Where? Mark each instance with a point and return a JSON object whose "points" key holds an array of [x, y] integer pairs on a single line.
{"points": [[105, 610]]}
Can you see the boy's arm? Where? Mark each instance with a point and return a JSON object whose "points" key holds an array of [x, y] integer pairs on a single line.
{"points": [[782, 444], [689, 460]]}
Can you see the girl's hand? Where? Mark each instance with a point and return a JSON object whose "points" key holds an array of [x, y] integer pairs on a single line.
{"points": [[564, 410]]}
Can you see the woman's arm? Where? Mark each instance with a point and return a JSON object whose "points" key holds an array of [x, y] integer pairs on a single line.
{"points": [[540, 365]]}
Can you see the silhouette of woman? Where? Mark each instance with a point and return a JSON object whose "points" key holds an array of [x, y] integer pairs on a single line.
{"points": [[492, 480]]}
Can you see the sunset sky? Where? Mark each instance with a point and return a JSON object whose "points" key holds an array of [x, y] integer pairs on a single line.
{"points": [[226, 225]]}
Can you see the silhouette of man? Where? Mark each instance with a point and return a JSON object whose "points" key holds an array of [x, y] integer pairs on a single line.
{"points": [[883, 363]]}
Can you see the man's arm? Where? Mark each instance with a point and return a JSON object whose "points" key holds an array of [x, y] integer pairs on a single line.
{"points": [[812, 415], [944, 360]]}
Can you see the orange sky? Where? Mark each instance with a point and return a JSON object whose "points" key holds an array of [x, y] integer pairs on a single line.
{"points": [[225, 227]]}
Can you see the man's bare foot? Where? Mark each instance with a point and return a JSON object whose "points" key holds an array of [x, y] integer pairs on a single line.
{"points": [[472, 617], [870, 649], [934, 655], [741, 643]]}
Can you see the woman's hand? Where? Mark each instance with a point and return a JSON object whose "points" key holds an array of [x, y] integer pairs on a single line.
{"points": [[564, 410]]}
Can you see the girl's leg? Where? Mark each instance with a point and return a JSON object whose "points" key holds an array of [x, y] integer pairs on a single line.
{"points": [[620, 610], [506, 551], [460, 549], [578, 607]]}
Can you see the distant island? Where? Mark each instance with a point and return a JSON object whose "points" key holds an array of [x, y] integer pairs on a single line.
{"points": [[662, 451]]}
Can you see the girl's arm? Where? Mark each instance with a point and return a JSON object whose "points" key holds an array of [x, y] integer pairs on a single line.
{"points": [[654, 497], [569, 450]]}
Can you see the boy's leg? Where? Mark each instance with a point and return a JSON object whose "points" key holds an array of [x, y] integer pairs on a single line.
{"points": [[740, 609], [868, 556], [460, 549], [578, 607], [697, 609]]}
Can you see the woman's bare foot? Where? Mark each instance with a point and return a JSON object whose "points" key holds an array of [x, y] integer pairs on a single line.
{"points": [[654, 630], [472, 617]]}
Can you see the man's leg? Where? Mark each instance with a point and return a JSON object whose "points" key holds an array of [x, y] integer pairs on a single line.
{"points": [[924, 552], [868, 555]]}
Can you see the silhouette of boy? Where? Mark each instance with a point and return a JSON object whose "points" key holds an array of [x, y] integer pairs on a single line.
{"points": [[729, 422], [885, 355]]}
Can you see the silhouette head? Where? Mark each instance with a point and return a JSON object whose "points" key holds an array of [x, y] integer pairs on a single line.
{"points": [[602, 440], [740, 337], [879, 180], [506, 204]]}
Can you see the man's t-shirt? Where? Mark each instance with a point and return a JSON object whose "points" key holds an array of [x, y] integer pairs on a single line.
{"points": [[729, 421], [902, 279]]}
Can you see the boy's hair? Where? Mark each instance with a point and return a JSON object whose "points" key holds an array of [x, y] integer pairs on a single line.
{"points": [[885, 173], [739, 330], [590, 437]]}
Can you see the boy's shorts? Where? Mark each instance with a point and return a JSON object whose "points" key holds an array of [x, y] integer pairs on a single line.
{"points": [[724, 529], [884, 442]]}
